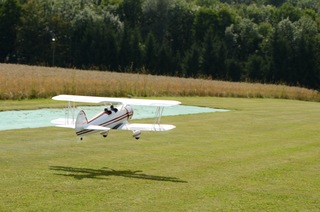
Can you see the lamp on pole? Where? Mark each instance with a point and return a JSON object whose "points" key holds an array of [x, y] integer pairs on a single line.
{"points": [[53, 49]]}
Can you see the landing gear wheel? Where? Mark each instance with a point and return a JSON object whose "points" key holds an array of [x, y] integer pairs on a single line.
{"points": [[136, 134]]}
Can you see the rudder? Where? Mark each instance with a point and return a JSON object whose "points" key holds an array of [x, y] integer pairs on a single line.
{"points": [[81, 121]]}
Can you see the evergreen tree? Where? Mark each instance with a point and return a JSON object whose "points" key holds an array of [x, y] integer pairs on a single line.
{"points": [[205, 19], [156, 17], [208, 57], [179, 35], [255, 68], [191, 65], [136, 50], [111, 52], [125, 54], [131, 13], [9, 18], [34, 37], [283, 51], [234, 70], [165, 61], [150, 55]]}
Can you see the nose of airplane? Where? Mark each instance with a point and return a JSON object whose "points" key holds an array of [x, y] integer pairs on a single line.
{"points": [[129, 111]]}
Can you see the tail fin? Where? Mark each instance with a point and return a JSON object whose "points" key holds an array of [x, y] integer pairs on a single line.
{"points": [[81, 121]]}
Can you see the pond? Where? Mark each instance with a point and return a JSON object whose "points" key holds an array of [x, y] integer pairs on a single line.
{"points": [[41, 118]]}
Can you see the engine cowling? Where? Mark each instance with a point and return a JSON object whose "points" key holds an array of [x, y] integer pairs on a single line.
{"points": [[129, 111], [136, 134]]}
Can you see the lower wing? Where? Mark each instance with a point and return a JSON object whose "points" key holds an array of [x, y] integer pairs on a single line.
{"points": [[69, 123], [146, 127]]}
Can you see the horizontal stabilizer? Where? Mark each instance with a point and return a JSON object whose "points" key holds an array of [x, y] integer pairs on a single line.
{"points": [[96, 127], [146, 127], [62, 122]]}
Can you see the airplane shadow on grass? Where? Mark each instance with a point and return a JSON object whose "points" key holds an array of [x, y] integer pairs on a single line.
{"points": [[82, 173]]}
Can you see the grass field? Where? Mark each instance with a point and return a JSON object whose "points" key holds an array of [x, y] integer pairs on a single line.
{"points": [[261, 156]]}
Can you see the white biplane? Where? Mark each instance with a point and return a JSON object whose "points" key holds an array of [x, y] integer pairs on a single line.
{"points": [[117, 113]]}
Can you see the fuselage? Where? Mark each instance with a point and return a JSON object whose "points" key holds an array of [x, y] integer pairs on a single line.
{"points": [[110, 118]]}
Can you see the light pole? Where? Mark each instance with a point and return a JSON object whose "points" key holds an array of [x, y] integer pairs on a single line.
{"points": [[53, 49]]}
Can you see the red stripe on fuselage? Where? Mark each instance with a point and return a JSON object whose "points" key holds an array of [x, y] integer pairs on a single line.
{"points": [[105, 124]]}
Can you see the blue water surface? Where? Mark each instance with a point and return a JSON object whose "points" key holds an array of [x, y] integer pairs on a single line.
{"points": [[41, 118]]}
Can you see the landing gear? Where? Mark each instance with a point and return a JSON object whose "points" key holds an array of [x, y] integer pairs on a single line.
{"points": [[136, 134], [105, 134]]}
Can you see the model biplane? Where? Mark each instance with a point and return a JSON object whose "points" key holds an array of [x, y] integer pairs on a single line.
{"points": [[115, 116]]}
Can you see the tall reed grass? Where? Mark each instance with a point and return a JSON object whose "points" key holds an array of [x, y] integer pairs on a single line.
{"points": [[26, 82]]}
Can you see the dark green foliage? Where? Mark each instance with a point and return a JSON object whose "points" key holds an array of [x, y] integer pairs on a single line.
{"points": [[130, 12], [151, 53], [179, 28], [261, 40], [9, 20], [287, 11], [233, 70], [256, 68], [34, 37], [156, 17], [213, 56], [192, 65]]}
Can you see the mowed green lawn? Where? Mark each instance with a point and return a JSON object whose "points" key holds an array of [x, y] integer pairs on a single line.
{"points": [[263, 155]]}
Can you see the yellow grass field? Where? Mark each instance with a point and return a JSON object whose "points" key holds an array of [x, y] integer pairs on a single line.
{"points": [[28, 82]]}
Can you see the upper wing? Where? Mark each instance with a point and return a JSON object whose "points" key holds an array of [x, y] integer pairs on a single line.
{"points": [[146, 127], [95, 99]]}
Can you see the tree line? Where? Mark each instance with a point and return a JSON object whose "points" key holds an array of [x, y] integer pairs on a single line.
{"points": [[268, 41]]}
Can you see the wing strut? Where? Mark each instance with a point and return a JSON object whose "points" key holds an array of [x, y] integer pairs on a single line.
{"points": [[69, 113], [157, 116]]}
